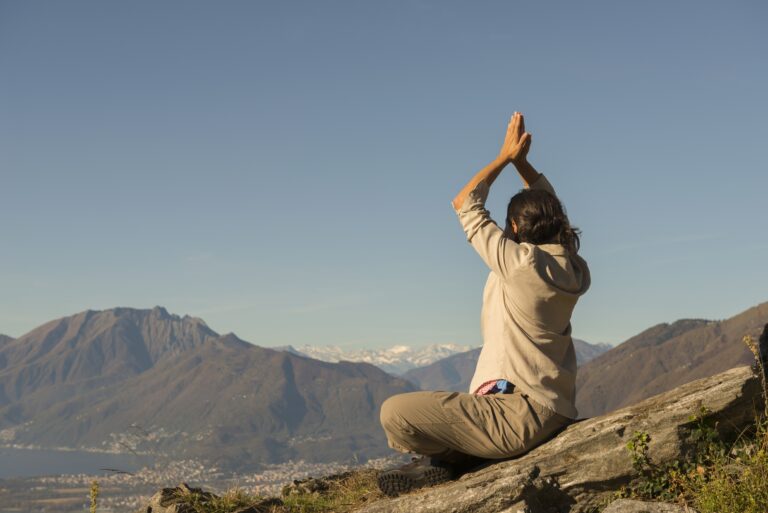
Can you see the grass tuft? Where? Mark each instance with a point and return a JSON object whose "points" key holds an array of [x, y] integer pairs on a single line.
{"points": [[349, 492], [735, 480], [232, 500], [336, 494], [94, 496]]}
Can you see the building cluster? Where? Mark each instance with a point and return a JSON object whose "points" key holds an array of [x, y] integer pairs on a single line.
{"points": [[124, 492]]}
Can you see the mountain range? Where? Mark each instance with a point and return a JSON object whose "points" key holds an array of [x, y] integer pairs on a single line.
{"points": [[395, 360], [157, 382], [152, 382]]}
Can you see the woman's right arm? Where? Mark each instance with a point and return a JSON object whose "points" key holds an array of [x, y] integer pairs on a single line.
{"points": [[533, 179], [527, 172]]}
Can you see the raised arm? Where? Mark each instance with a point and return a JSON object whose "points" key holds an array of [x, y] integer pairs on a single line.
{"points": [[515, 150], [487, 174], [532, 178], [502, 254], [527, 172]]}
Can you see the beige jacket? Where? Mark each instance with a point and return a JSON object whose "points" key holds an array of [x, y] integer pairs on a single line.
{"points": [[528, 299]]}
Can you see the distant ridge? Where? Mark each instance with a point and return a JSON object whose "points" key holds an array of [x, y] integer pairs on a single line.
{"points": [[97, 378], [395, 360], [665, 356], [455, 372]]}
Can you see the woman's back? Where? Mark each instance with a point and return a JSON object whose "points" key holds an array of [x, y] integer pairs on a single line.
{"points": [[528, 300]]}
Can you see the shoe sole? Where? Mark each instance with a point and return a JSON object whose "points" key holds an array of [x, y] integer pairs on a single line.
{"points": [[395, 482]]}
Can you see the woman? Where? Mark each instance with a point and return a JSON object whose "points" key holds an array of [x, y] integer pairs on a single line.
{"points": [[523, 389]]}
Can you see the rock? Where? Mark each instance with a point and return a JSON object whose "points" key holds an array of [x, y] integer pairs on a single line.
{"points": [[579, 470], [310, 485], [177, 500], [632, 506]]}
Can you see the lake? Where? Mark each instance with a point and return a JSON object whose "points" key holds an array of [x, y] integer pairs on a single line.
{"points": [[44, 462]]}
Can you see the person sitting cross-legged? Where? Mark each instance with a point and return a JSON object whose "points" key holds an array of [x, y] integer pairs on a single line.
{"points": [[523, 389]]}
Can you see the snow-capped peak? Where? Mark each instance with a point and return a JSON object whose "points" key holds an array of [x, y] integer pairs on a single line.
{"points": [[396, 359]]}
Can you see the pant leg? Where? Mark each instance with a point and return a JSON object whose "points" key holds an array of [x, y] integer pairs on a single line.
{"points": [[415, 422], [449, 425]]}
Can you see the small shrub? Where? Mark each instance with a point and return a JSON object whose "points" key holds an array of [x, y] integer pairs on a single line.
{"points": [[717, 478], [736, 479]]}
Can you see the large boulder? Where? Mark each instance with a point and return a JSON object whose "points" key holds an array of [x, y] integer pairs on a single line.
{"points": [[583, 466]]}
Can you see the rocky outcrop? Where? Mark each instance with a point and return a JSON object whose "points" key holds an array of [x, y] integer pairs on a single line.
{"points": [[582, 467]]}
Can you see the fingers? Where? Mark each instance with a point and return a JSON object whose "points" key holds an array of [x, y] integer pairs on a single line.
{"points": [[526, 143], [512, 126], [516, 124]]}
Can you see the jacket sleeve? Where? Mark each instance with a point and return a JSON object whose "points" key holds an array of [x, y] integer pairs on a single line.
{"points": [[500, 253]]}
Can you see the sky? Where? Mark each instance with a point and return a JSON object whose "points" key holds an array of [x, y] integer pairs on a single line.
{"points": [[284, 170]]}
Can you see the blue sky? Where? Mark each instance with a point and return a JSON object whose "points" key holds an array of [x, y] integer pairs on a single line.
{"points": [[284, 170]]}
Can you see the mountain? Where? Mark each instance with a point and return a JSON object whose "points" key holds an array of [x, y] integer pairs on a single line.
{"points": [[4, 339], [664, 357], [395, 360], [170, 385], [586, 352], [73, 355], [455, 372]]}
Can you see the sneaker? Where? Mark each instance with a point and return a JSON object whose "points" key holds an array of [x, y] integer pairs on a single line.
{"points": [[424, 471]]}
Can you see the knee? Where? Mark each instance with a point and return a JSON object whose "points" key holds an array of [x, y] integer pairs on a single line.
{"points": [[391, 415]]}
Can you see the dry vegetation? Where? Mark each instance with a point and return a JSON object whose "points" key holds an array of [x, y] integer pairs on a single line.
{"points": [[721, 476], [340, 493], [735, 478]]}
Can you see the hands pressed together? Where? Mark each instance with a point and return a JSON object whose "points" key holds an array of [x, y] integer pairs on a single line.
{"points": [[516, 142], [514, 150]]}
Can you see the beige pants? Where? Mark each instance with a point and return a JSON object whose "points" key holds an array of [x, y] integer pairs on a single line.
{"points": [[455, 426]]}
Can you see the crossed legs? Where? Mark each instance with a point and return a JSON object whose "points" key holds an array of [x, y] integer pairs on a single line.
{"points": [[459, 427]]}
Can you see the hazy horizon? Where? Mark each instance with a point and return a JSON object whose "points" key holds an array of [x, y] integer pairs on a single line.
{"points": [[285, 171], [344, 347]]}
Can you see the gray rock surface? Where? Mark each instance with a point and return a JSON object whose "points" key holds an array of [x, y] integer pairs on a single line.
{"points": [[632, 506], [582, 467]]}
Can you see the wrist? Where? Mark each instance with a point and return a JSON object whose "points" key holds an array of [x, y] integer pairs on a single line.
{"points": [[520, 162]]}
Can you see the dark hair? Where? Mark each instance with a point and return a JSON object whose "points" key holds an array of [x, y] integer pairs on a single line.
{"points": [[540, 219]]}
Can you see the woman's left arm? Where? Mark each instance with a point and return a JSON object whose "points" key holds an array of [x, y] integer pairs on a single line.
{"points": [[488, 173]]}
